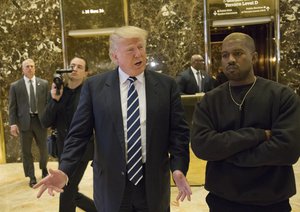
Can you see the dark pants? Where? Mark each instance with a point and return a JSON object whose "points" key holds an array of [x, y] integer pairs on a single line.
{"points": [[134, 199], [218, 204], [39, 134], [71, 198]]}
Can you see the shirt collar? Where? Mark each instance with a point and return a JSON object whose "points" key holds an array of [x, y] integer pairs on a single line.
{"points": [[123, 76], [27, 79], [194, 70]]}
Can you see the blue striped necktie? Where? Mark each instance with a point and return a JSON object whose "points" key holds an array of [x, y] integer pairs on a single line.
{"points": [[134, 146]]}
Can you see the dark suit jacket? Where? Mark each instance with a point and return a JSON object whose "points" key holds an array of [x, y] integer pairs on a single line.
{"points": [[166, 133], [19, 102], [188, 84]]}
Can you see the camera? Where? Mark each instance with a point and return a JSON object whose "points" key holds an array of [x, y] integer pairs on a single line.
{"points": [[58, 78]]}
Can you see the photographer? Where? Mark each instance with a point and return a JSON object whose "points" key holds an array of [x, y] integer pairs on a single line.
{"points": [[58, 114]]}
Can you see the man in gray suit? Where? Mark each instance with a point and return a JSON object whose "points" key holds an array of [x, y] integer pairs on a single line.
{"points": [[27, 99], [133, 153]]}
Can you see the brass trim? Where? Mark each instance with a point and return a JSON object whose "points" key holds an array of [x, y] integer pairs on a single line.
{"points": [[207, 41], [63, 35], [2, 142], [277, 39], [125, 4], [90, 32], [242, 21]]}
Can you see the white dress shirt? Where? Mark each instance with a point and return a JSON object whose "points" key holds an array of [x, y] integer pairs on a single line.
{"points": [[195, 75], [140, 87]]}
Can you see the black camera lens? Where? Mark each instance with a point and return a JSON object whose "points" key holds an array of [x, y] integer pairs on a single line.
{"points": [[58, 81]]}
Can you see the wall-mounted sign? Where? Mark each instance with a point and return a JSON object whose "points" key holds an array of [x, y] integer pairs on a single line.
{"points": [[92, 14], [230, 9]]}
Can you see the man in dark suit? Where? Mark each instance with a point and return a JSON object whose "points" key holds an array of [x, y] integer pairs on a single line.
{"points": [[160, 135], [195, 79], [27, 99]]}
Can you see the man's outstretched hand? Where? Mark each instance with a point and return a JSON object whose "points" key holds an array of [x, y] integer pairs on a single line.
{"points": [[55, 181]]}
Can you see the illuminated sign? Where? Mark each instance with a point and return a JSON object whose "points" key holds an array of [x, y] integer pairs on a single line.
{"points": [[230, 9], [93, 14], [92, 11]]}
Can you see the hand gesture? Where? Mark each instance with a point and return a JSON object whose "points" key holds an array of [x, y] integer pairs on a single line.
{"points": [[55, 181], [182, 185]]}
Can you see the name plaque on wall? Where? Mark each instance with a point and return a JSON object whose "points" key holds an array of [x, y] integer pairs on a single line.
{"points": [[231, 9]]}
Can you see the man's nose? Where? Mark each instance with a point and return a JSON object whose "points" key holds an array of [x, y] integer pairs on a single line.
{"points": [[231, 57], [137, 52], [74, 68]]}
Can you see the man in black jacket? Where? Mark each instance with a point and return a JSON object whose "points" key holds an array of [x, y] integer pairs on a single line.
{"points": [[247, 130], [58, 114]]}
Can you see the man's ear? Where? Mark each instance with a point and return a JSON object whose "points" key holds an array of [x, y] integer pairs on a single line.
{"points": [[114, 57], [254, 57]]}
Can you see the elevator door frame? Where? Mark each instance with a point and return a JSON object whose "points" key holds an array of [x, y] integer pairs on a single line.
{"points": [[263, 37], [275, 19]]}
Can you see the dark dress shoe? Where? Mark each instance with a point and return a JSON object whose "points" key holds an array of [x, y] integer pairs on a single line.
{"points": [[32, 181], [44, 173]]}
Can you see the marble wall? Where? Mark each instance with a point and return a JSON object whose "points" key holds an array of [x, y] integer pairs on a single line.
{"points": [[28, 28], [289, 73], [31, 28], [175, 30]]}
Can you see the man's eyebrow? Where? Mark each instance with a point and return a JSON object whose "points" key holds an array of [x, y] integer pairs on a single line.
{"points": [[238, 50], [234, 50]]}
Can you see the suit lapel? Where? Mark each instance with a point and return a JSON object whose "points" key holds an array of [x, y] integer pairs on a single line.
{"points": [[192, 76], [204, 81], [113, 98], [23, 95], [152, 91], [37, 91]]}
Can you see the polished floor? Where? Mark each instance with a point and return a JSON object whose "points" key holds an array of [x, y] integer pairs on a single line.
{"points": [[16, 195]]}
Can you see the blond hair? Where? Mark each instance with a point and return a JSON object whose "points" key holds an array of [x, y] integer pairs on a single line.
{"points": [[126, 32]]}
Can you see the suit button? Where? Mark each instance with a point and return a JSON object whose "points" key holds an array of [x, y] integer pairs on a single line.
{"points": [[123, 173]]}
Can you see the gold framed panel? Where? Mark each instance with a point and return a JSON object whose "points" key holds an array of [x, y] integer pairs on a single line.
{"points": [[86, 25]]}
